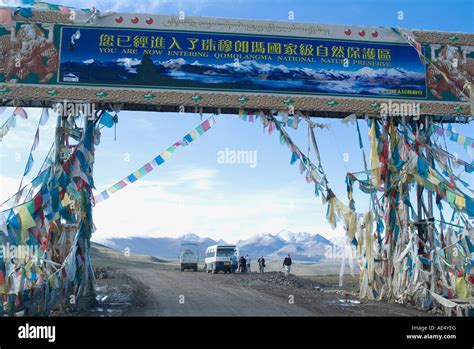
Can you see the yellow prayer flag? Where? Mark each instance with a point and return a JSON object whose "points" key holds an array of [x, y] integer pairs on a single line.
{"points": [[331, 218], [374, 157], [26, 220], [28, 269], [66, 200], [432, 178], [4, 283], [193, 134], [462, 290], [52, 281], [165, 155], [460, 201]]}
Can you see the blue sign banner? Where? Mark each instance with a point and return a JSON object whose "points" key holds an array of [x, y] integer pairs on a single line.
{"points": [[237, 62]]}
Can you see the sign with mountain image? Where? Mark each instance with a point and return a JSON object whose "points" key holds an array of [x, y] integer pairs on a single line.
{"points": [[238, 62]]}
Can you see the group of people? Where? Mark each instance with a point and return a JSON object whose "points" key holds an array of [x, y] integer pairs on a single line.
{"points": [[243, 264]]}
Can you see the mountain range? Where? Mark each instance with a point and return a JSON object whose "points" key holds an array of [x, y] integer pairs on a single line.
{"points": [[248, 74], [302, 246]]}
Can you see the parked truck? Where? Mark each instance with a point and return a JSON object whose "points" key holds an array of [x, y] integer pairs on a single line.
{"points": [[189, 256]]}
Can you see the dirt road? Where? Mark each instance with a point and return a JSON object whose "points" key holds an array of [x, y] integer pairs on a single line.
{"points": [[174, 293], [146, 286]]}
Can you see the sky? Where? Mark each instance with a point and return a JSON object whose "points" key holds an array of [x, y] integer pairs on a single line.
{"points": [[193, 192]]}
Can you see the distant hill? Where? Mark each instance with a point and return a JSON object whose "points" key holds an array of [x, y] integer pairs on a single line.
{"points": [[302, 246], [163, 247]]}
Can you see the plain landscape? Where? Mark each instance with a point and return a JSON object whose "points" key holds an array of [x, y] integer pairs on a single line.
{"points": [[138, 285]]}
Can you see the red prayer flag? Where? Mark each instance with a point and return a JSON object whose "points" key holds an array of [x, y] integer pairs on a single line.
{"points": [[205, 125], [38, 202]]}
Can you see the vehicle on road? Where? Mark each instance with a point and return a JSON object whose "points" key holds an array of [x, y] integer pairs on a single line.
{"points": [[189, 256], [218, 258]]}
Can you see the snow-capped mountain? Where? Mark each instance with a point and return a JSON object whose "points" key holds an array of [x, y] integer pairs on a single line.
{"points": [[302, 246], [190, 237], [339, 240], [274, 71], [162, 247], [278, 71], [128, 62], [247, 74], [174, 63], [373, 75], [302, 237], [292, 237], [261, 244], [264, 239]]}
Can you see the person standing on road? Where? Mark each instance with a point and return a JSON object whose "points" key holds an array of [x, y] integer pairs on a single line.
{"points": [[233, 263], [242, 265], [261, 264], [287, 264], [248, 260]]}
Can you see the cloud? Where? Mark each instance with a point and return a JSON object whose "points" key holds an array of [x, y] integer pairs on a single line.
{"points": [[183, 202], [16, 145], [187, 199], [197, 177], [8, 187], [201, 179], [322, 228], [203, 184], [11, 3], [273, 225], [20, 138], [145, 124], [190, 174]]}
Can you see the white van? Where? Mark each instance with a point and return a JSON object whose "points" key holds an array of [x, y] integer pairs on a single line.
{"points": [[218, 257], [189, 256]]}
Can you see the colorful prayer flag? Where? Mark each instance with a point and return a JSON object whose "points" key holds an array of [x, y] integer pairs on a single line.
{"points": [[36, 140], [29, 165], [157, 161], [26, 220], [19, 111], [44, 117]]}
